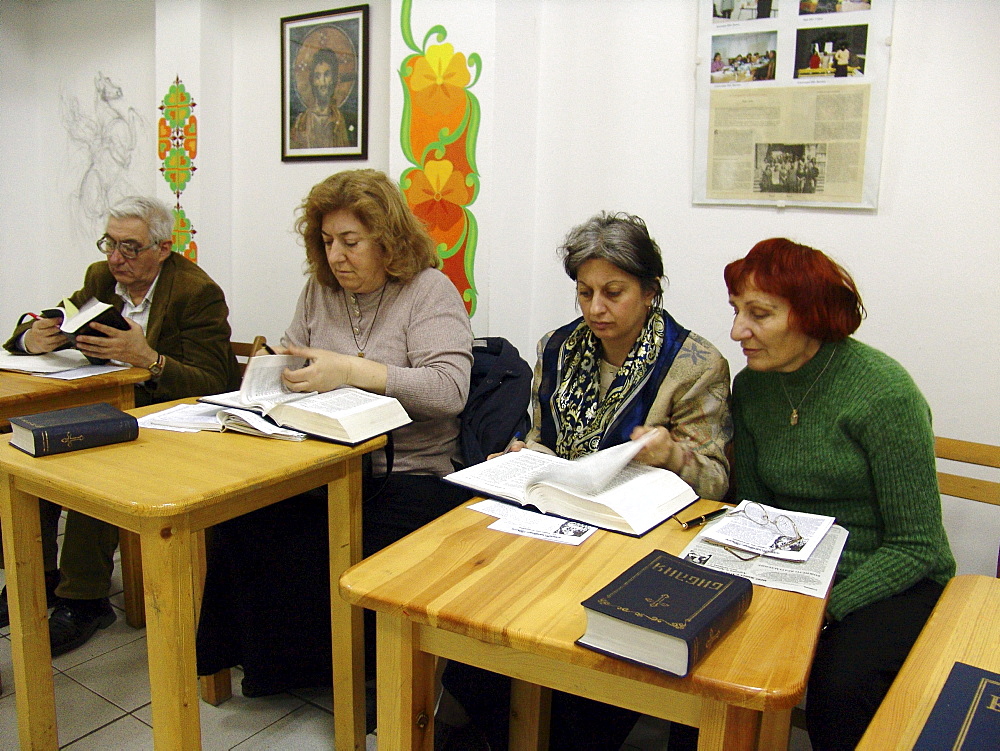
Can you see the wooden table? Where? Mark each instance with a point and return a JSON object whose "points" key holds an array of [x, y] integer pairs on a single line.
{"points": [[511, 604], [964, 627], [25, 394], [168, 487]]}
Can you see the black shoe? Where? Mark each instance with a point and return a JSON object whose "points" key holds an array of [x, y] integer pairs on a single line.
{"points": [[73, 622], [51, 582]]}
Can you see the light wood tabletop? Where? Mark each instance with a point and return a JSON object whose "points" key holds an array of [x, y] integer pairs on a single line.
{"points": [[964, 627], [26, 394], [512, 604], [168, 487]]}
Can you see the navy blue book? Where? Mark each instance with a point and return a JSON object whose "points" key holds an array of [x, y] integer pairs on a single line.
{"points": [[966, 714], [664, 612], [72, 429]]}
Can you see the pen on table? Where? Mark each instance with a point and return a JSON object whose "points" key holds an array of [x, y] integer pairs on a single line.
{"points": [[268, 349], [510, 444], [704, 518]]}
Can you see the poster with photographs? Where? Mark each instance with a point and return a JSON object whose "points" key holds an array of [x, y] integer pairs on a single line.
{"points": [[324, 85], [790, 102]]}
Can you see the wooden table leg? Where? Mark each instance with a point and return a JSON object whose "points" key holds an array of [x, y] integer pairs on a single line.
{"points": [[727, 728], [346, 621], [775, 728], [530, 707], [406, 690], [131, 558], [29, 625], [170, 633], [218, 687]]}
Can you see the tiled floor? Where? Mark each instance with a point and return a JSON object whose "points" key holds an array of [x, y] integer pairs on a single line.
{"points": [[102, 703]]}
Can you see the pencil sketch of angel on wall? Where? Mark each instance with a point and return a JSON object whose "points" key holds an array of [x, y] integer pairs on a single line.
{"points": [[106, 141]]}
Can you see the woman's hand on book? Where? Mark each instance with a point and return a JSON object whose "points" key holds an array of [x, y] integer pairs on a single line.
{"points": [[514, 445], [329, 370], [662, 450]]}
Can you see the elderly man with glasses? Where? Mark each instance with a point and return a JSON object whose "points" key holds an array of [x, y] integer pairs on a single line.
{"points": [[179, 331]]}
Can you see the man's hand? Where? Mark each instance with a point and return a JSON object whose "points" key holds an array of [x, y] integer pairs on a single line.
{"points": [[125, 346], [44, 336]]}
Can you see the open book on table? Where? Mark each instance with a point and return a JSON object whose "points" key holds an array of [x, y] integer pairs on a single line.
{"points": [[605, 489], [346, 414]]}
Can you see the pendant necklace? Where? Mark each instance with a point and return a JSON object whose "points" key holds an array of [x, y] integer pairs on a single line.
{"points": [[794, 419], [356, 328]]}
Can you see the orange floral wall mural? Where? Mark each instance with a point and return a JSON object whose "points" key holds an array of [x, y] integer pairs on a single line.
{"points": [[177, 147], [440, 124]]}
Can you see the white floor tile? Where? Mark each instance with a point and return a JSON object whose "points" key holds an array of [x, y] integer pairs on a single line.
{"points": [[80, 711], [121, 676], [235, 720], [305, 729], [321, 697], [126, 733]]}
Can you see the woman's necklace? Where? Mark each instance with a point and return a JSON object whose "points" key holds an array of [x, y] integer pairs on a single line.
{"points": [[356, 328], [794, 419]]}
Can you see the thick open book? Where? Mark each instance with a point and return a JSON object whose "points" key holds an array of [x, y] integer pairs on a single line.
{"points": [[77, 322], [346, 414], [605, 489]]}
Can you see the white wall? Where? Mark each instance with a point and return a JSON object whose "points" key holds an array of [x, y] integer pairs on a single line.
{"points": [[587, 105]]}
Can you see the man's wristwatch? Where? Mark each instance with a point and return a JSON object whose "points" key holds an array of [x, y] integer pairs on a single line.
{"points": [[155, 368]]}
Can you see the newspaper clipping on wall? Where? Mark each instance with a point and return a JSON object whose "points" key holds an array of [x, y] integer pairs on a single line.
{"points": [[791, 102]]}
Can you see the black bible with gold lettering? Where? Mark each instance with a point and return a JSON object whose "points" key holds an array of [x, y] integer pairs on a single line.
{"points": [[71, 429], [664, 612]]}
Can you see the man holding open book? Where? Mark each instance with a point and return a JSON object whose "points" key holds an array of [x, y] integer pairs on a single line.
{"points": [[178, 328]]}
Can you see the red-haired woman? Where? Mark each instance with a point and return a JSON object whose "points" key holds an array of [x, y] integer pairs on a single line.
{"points": [[827, 425]]}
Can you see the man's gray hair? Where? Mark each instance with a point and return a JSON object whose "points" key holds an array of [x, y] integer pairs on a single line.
{"points": [[152, 211]]}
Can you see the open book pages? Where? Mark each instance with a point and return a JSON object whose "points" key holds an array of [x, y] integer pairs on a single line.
{"points": [[631, 498], [92, 310], [344, 414], [262, 385], [245, 421]]}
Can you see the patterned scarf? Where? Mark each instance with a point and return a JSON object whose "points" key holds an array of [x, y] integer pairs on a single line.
{"points": [[575, 420]]}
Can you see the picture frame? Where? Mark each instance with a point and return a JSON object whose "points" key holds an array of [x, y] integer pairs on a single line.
{"points": [[324, 85]]}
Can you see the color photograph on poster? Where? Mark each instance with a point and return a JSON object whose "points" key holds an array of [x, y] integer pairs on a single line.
{"points": [[324, 85]]}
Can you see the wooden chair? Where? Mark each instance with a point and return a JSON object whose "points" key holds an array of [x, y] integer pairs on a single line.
{"points": [[245, 350], [970, 488]]}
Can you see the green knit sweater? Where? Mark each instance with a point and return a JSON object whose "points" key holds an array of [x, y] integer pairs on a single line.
{"points": [[862, 451]]}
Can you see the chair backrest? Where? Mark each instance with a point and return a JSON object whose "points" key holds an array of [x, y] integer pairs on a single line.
{"points": [[245, 350], [970, 488]]}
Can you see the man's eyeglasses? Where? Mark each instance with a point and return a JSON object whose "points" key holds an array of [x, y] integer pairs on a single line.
{"points": [[128, 249], [788, 533]]}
